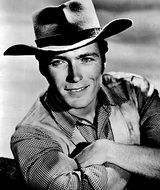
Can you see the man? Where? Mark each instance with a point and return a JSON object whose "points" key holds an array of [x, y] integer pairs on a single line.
{"points": [[88, 130]]}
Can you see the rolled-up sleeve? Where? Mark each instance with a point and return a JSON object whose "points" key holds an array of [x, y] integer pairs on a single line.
{"points": [[45, 166]]}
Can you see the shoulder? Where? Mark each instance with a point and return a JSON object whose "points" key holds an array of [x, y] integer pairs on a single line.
{"points": [[37, 114], [37, 123], [128, 82]]}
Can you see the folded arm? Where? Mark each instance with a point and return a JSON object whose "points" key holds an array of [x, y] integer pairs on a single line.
{"points": [[133, 158], [139, 160], [44, 165]]}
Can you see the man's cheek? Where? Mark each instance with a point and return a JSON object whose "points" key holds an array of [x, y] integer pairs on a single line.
{"points": [[94, 73]]}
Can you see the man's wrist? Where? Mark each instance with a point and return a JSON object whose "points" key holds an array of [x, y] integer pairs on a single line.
{"points": [[109, 147]]}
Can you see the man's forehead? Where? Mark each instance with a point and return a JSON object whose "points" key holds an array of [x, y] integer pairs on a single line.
{"points": [[88, 49]]}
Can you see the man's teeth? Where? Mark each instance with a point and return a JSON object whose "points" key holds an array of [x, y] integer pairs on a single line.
{"points": [[77, 90]]}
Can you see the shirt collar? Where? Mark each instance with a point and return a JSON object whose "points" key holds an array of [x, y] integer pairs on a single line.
{"points": [[68, 122], [60, 114], [106, 98]]}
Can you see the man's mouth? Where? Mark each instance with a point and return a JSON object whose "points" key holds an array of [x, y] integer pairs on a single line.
{"points": [[76, 89]]}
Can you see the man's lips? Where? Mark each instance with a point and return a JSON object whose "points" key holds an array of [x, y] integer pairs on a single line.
{"points": [[76, 89]]}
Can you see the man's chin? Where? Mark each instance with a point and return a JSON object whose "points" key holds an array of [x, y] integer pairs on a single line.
{"points": [[80, 104], [77, 104]]}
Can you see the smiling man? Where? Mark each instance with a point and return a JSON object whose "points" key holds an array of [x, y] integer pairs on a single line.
{"points": [[89, 130], [76, 77]]}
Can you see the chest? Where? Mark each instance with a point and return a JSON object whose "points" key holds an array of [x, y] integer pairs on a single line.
{"points": [[119, 123]]}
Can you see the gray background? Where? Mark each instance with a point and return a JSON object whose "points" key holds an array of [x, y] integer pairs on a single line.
{"points": [[136, 50]]}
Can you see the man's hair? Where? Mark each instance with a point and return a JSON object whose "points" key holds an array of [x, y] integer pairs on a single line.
{"points": [[103, 49], [44, 58]]}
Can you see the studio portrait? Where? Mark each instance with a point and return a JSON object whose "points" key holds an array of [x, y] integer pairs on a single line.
{"points": [[80, 94]]}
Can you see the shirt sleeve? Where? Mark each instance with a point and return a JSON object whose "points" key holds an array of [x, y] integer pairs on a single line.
{"points": [[45, 166], [147, 100], [148, 103], [149, 108]]}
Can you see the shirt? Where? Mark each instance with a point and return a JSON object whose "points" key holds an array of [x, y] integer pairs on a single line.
{"points": [[43, 143]]}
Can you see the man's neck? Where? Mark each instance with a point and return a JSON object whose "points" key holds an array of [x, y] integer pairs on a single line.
{"points": [[87, 113]]}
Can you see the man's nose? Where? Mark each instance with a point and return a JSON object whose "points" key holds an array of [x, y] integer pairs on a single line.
{"points": [[74, 73]]}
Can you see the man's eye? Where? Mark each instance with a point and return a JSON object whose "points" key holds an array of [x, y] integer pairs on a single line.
{"points": [[57, 62], [87, 59]]}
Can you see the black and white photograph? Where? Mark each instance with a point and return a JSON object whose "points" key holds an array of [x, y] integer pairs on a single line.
{"points": [[80, 94]]}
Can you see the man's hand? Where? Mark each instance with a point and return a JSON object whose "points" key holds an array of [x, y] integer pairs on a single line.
{"points": [[98, 153], [95, 153]]}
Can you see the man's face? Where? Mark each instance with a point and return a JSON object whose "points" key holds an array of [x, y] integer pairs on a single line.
{"points": [[77, 75]]}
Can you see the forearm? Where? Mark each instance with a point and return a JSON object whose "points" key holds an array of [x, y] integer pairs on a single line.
{"points": [[50, 168], [51, 171], [65, 174], [93, 177], [113, 177], [136, 159]]}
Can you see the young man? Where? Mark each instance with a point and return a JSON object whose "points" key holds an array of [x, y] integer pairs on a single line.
{"points": [[88, 130]]}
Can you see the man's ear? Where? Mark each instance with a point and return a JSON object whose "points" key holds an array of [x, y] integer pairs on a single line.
{"points": [[43, 69], [37, 56], [42, 66], [104, 66]]}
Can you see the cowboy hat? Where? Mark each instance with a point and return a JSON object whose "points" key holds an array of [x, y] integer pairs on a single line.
{"points": [[69, 26]]}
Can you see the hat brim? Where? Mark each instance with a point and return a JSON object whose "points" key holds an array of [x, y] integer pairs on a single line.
{"points": [[112, 28]]}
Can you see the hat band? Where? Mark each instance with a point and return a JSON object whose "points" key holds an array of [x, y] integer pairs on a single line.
{"points": [[67, 38]]}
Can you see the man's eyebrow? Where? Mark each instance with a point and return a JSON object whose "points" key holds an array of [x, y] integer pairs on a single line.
{"points": [[88, 54], [94, 54], [58, 57]]}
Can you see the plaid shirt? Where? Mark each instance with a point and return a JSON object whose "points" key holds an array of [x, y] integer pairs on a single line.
{"points": [[44, 142]]}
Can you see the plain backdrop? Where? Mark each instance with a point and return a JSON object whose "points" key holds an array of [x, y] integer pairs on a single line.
{"points": [[136, 50]]}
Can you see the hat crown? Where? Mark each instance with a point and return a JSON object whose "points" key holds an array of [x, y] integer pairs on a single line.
{"points": [[69, 26], [66, 24]]}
